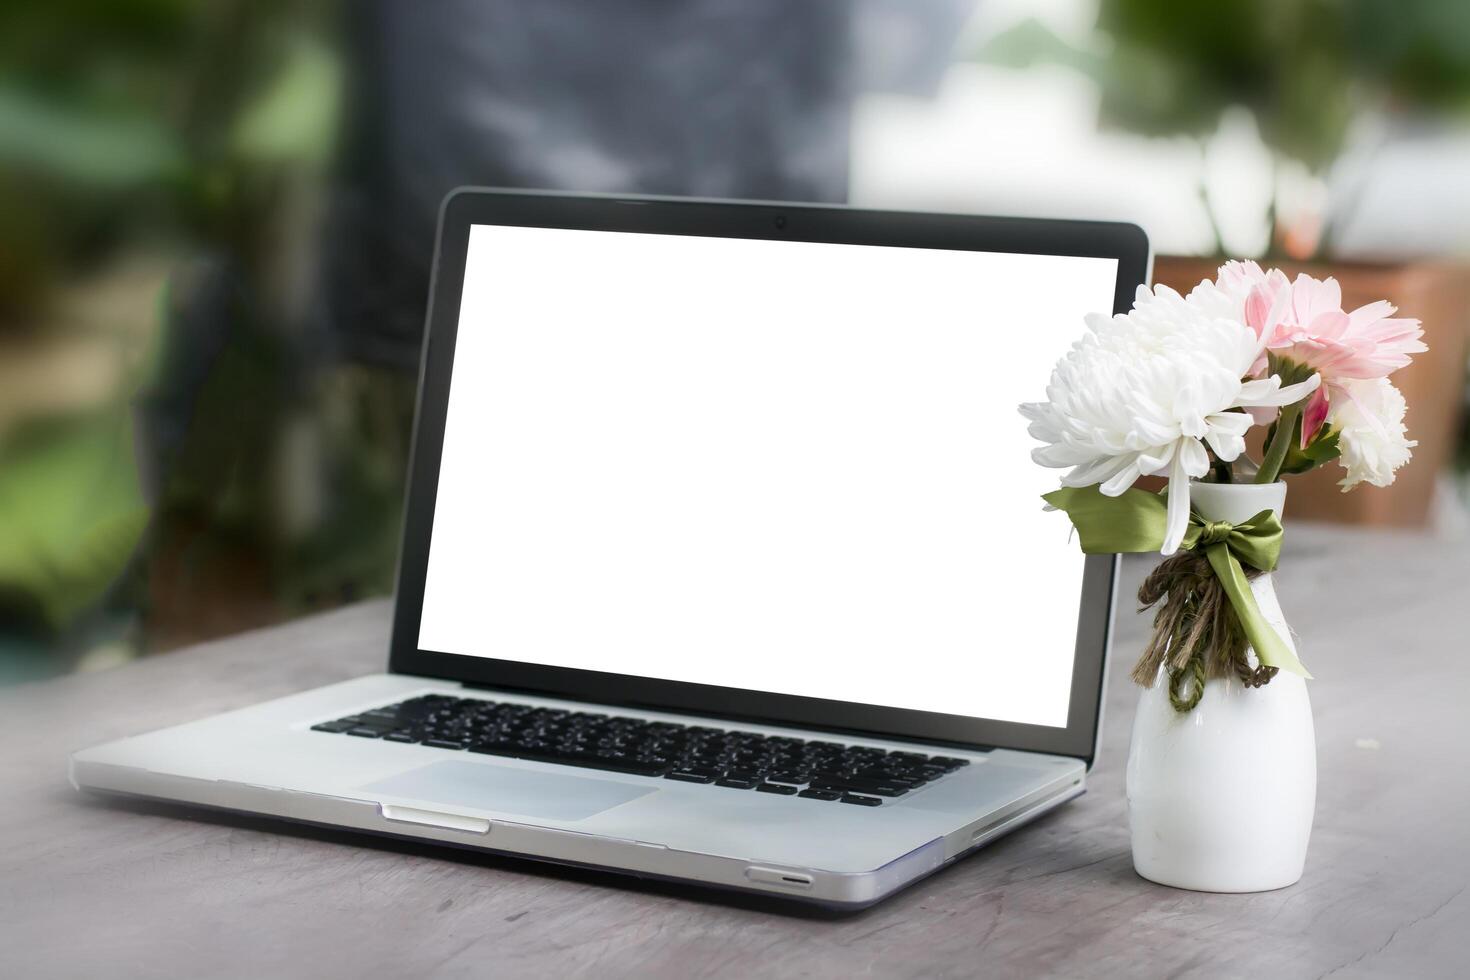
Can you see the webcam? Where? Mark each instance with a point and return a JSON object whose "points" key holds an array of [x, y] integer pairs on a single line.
{"points": [[780, 221]]}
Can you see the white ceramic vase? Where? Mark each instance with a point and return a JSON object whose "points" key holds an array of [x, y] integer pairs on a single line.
{"points": [[1221, 799]]}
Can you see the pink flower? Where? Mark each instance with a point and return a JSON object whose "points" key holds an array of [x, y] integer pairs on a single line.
{"points": [[1303, 322]]}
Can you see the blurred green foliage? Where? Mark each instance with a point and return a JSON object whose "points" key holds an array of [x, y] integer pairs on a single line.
{"points": [[166, 135], [1287, 61], [1305, 69], [71, 513], [121, 119], [1417, 52]]}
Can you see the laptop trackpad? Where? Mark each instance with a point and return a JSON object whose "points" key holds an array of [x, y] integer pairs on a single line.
{"points": [[551, 796]]}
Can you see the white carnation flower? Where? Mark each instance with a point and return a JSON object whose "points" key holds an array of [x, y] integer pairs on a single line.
{"points": [[1369, 417], [1145, 391]]}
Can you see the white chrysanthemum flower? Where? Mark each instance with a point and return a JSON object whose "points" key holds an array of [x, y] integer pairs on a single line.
{"points": [[1145, 391], [1369, 418]]}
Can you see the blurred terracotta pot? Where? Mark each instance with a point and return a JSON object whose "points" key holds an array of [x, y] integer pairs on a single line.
{"points": [[1438, 293]]}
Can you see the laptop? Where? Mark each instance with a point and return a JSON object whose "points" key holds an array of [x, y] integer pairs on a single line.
{"points": [[723, 559]]}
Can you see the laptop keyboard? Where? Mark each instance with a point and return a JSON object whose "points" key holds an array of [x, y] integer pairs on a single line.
{"points": [[813, 770]]}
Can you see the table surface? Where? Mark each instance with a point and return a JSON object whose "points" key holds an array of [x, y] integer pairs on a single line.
{"points": [[95, 887]]}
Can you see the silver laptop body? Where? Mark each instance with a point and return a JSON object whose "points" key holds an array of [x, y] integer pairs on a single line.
{"points": [[624, 637]]}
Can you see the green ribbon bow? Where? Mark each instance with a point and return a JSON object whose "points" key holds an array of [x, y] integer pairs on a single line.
{"points": [[1135, 522]]}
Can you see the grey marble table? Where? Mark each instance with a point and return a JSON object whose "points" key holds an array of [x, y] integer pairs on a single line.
{"points": [[97, 888]]}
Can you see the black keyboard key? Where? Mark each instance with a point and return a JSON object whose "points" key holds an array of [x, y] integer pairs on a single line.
{"points": [[384, 716], [381, 727], [334, 727], [366, 732], [862, 800], [869, 782], [571, 757], [634, 767], [713, 772], [799, 778], [686, 776], [779, 788], [399, 737], [827, 775], [752, 774], [949, 763], [819, 794], [891, 779], [860, 786], [443, 743], [737, 783]]}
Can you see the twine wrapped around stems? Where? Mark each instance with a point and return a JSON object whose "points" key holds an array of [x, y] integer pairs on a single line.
{"points": [[1209, 614], [1197, 634]]}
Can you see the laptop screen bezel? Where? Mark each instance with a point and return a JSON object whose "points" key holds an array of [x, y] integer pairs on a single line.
{"points": [[467, 207]]}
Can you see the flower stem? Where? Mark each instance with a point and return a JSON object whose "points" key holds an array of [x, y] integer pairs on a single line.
{"points": [[1270, 470]]}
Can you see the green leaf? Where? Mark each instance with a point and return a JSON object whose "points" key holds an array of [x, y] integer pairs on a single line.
{"points": [[89, 147], [1322, 449], [293, 118], [1031, 43], [71, 512]]}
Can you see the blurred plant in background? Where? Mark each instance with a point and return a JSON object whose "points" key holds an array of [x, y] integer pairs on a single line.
{"points": [[1312, 76], [216, 220], [158, 160], [219, 221], [1306, 71]]}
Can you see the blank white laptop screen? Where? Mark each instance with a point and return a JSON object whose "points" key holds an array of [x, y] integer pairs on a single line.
{"points": [[776, 466]]}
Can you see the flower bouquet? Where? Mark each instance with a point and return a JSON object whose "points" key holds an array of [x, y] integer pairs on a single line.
{"points": [[1222, 766]]}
